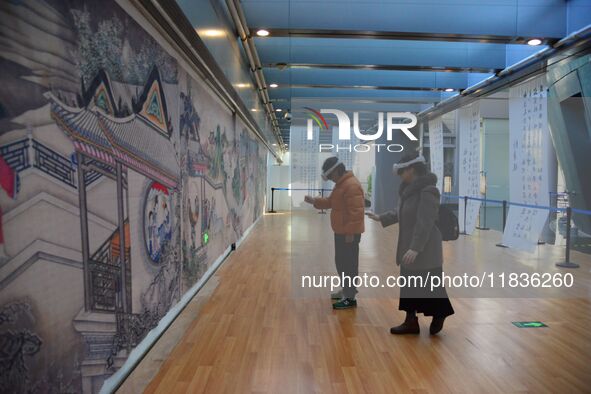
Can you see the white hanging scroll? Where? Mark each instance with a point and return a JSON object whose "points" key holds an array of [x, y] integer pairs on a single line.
{"points": [[528, 171], [469, 174], [436, 150]]}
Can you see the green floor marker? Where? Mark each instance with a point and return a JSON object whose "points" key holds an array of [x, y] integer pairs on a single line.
{"points": [[529, 324]]}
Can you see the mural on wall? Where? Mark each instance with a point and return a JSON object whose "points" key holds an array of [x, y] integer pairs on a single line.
{"points": [[215, 156], [157, 220], [122, 181]]}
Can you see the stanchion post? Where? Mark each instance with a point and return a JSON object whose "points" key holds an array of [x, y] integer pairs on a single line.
{"points": [[272, 200], [504, 214], [483, 227], [465, 208], [500, 244], [567, 263], [484, 224]]}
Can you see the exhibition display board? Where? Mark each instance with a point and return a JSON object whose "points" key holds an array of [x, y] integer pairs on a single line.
{"points": [[436, 150], [528, 171], [469, 166]]}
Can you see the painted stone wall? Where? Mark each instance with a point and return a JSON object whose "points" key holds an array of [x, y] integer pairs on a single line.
{"points": [[122, 179]]}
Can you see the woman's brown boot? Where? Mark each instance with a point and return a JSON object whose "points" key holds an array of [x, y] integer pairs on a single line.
{"points": [[436, 325], [410, 326]]}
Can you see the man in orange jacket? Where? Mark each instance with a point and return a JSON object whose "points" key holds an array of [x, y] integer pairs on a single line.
{"points": [[347, 204]]}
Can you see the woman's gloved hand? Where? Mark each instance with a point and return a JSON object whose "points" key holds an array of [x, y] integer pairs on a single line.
{"points": [[409, 257]]}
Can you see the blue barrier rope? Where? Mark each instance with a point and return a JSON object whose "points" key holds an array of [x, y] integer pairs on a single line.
{"points": [[486, 200], [581, 211], [566, 263], [473, 198], [537, 207], [554, 209], [286, 188]]}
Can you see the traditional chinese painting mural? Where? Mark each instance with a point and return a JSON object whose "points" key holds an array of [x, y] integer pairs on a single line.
{"points": [[222, 169], [122, 181], [157, 219]]}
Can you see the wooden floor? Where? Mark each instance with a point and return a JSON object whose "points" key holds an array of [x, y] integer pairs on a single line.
{"points": [[254, 335]]}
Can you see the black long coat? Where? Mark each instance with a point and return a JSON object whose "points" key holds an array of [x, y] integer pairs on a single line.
{"points": [[418, 209]]}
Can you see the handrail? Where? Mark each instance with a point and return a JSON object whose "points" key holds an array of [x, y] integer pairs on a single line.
{"points": [[102, 251]]}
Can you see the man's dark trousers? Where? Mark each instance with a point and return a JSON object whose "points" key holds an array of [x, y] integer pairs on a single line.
{"points": [[347, 262]]}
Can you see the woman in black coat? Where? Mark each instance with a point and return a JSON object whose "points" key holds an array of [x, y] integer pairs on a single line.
{"points": [[419, 250]]}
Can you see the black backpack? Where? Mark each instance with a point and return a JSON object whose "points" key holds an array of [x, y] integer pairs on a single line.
{"points": [[448, 224]]}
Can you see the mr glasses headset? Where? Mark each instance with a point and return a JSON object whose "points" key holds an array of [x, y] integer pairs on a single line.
{"points": [[399, 167], [396, 168], [326, 173]]}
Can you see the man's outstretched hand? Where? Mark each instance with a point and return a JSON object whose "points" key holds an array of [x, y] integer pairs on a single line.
{"points": [[309, 199]]}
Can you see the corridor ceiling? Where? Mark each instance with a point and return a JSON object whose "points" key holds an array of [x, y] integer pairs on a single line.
{"points": [[370, 56], [399, 55]]}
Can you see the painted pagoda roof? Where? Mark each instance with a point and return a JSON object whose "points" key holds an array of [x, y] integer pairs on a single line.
{"points": [[151, 104], [99, 94], [133, 141], [138, 137], [83, 126]]}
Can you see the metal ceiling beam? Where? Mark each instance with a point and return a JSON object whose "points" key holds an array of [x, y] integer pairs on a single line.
{"points": [[359, 106], [361, 101], [382, 67], [437, 55], [360, 79], [369, 95], [365, 87], [402, 36], [255, 63]]}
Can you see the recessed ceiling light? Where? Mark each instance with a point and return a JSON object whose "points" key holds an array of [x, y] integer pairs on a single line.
{"points": [[278, 110], [534, 42], [211, 33], [274, 144], [254, 110], [273, 85], [242, 85], [449, 90], [262, 33]]}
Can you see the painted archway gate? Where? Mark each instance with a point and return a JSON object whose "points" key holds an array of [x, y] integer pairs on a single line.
{"points": [[122, 181]]}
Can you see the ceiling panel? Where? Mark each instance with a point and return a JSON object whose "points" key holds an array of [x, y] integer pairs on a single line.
{"points": [[367, 78], [545, 18], [409, 53]]}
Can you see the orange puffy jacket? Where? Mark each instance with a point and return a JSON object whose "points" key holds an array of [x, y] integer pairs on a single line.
{"points": [[348, 206]]}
